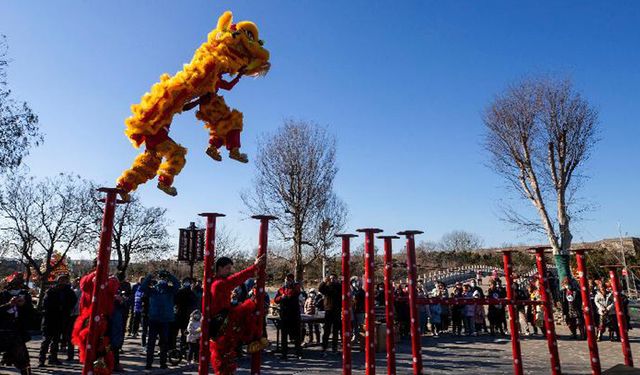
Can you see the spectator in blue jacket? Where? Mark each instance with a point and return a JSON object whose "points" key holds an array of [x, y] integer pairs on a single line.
{"points": [[117, 323], [135, 309], [161, 315]]}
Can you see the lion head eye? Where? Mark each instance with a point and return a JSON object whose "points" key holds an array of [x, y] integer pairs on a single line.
{"points": [[250, 35]]}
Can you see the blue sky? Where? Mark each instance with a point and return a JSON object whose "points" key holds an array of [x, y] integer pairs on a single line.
{"points": [[402, 85]]}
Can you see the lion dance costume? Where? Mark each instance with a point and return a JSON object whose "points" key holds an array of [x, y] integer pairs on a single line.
{"points": [[237, 324], [104, 357], [233, 49]]}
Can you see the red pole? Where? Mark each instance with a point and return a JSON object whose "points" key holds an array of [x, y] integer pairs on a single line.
{"points": [[262, 250], [622, 320], [513, 314], [389, 303], [369, 302], [550, 326], [346, 303], [207, 279], [413, 298], [594, 356], [102, 272]]}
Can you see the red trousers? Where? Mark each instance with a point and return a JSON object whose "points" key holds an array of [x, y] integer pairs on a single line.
{"points": [[232, 140], [242, 328]]}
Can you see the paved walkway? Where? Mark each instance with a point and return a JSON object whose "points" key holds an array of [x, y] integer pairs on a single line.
{"points": [[444, 355]]}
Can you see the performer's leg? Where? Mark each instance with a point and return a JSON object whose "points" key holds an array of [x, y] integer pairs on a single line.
{"points": [[212, 112], [245, 315], [174, 156], [144, 168], [233, 142], [223, 354]]}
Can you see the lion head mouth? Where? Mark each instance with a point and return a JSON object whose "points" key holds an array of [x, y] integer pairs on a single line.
{"points": [[243, 42]]}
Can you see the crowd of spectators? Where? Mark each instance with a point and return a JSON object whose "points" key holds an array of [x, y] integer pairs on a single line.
{"points": [[162, 311]]}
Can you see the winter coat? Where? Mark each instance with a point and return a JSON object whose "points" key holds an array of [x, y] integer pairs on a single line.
{"points": [[161, 299], [332, 293], [310, 306], [193, 331], [185, 301], [469, 310], [117, 324], [571, 304], [435, 311], [15, 320], [358, 296], [496, 312], [138, 299], [288, 298], [59, 301]]}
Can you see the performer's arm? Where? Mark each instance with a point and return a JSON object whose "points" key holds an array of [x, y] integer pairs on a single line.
{"points": [[238, 278], [145, 283], [278, 296], [222, 84]]}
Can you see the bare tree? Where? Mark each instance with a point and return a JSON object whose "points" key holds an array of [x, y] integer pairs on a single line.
{"points": [[19, 129], [459, 240], [295, 169], [139, 232], [329, 222], [539, 133], [42, 217]]}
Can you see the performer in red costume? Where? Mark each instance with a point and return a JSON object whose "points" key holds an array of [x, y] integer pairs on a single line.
{"points": [[104, 358], [232, 325]]}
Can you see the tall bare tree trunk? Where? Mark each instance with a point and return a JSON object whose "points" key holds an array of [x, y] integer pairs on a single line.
{"points": [[539, 132]]}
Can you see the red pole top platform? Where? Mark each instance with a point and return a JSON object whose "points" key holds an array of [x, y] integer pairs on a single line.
{"points": [[410, 232], [211, 214], [346, 235], [369, 230]]}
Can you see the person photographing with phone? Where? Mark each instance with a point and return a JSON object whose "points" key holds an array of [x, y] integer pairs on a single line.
{"points": [[161, 314]]}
